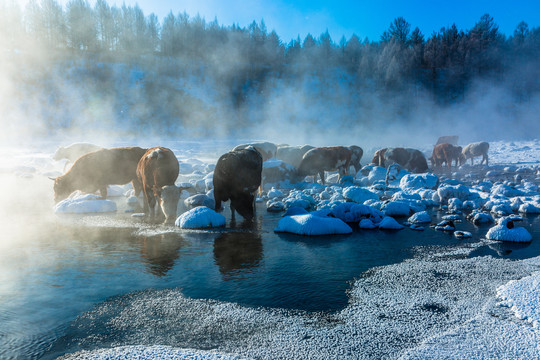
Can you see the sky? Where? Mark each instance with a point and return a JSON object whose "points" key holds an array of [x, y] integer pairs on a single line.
{"points": [[370, 19]]}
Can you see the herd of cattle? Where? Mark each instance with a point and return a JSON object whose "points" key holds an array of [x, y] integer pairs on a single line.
{"points": [[237, 174]]}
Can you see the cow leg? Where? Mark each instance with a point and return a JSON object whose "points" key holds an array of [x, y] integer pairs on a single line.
{"points": [[232, 212], [472, 161], [137, 186], [321, 174], [103, 192], [146, 201]]}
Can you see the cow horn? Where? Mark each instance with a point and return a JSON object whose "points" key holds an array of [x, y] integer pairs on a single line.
{"points": [[53, 179]]}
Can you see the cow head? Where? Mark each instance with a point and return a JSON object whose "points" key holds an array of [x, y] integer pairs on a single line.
{"points": [[243, 203], [168, 202], [61, 189]]}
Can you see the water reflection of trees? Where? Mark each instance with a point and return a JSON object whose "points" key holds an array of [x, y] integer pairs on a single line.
{"points": [[160, 252], [235, 252]]}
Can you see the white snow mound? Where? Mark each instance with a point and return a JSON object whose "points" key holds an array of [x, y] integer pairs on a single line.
{"points": [[309, 224], [200, 217], [79, 203]]}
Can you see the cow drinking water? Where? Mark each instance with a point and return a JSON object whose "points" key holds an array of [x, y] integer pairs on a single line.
{"points": [[321, 159], [446, 153], [157, 171], [236, 177], [96, 170], [476, 149]]}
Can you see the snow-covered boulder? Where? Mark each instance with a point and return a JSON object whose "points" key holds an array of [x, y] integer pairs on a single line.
{"points": [[462, 234], [275, 193], [78, 203], [199, 200], [275, 206], [506, 190], [352, 212], [416, 181], [529, 208], [421, 217], [200, 217], [295, 210], [312, 225], [522, 297], [396, 208], [447, 192], [389, 223], [366, 224], [275, 170], [359, 195], [480, 218], [506, 231]]}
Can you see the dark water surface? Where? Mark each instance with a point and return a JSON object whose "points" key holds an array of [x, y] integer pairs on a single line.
{"points": [[76, 262]]}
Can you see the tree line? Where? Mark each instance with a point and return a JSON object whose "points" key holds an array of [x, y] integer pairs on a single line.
{"points": [[443, 64]]}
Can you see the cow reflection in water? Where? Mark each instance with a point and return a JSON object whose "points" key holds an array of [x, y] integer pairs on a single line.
{"points": [[237, 252], [160, 252]]}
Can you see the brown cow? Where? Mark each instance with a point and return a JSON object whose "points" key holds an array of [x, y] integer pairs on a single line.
{"points": [[157, 171], [446, 153], [411, 159], [318, 160], [236, 177], [96, 170], [356, 155], [378, 157]]}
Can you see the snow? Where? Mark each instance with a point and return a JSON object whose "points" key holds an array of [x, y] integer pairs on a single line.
{"points": [[396, 208], [352, 212], [416, 181], [78, 203], [522, 297], [421, 217], [200, 217], [358, 194], [506, 231], [141, 352], [312, 225], [389, 223]]}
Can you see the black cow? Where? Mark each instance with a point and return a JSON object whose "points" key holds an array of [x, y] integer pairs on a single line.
{"points": [[236, 177]]}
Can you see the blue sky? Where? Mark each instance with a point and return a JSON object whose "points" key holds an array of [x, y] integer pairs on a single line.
{"points": [[365, 18]]}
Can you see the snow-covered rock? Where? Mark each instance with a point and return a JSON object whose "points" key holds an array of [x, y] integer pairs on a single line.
{"points": [[200, 217], [416, 181], [389, 223], [78, 203], [352, 212], [199, 200], [506, 231], [448, 192], [366, 224], [506, 190], [396, 208], [421, 217], [359, 195], [521, 296], [312, 225]]}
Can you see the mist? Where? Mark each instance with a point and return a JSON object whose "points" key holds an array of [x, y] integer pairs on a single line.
{"points": [[109, 74]]}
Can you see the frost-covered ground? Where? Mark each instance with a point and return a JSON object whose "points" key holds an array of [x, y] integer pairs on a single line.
{"points": [[441, 304]]}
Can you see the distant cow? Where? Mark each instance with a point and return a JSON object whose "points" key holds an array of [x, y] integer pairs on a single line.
{"points": [[236, 177], [157, 171], [356, 156], [266, 149], [410, 159], [318, 160], [476, 149], [96, 170], [378, 157], [452, 139], [74, 151], [292, 154], [446, 153]]}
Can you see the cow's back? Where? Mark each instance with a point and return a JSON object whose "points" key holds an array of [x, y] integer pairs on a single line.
{"points": [[109, 166], [158, 167]]}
